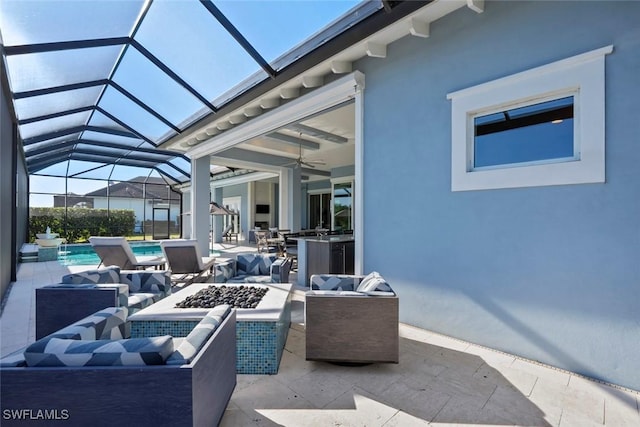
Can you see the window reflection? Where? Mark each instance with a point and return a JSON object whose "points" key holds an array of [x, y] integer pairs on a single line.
{"points": [[533, 133]]}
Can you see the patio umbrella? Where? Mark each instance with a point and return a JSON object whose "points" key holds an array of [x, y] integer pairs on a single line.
{"points": [[216, 209]]}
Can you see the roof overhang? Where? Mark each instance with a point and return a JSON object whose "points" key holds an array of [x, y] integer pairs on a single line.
{"points": [[293, 87]]}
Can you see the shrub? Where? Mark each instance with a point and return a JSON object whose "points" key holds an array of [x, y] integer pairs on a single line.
{"points": [[80, 223]]}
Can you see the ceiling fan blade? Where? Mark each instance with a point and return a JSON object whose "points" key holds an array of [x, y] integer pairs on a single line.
{"points": [[307, 164]]}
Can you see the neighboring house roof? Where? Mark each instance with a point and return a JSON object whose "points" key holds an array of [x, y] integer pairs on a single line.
{"points": [[156, 188]]}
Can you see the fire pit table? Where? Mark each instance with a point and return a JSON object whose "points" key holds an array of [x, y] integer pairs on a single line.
{"points": [[261, 332]]}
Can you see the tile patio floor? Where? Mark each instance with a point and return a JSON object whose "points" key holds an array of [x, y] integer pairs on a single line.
{"points": [[439, 381]]}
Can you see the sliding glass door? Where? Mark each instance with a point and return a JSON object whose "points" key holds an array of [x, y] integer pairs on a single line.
{"points": [[342, 206], [320, 210]]}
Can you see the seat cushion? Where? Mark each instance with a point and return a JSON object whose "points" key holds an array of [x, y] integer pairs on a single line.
{"points": [[255, 264], [13, 360], [138, 301], [127, 352], [102, 275], [192, 343], [157, 282], [108, 323], [373, 282], [335, 282], [249, 278]]}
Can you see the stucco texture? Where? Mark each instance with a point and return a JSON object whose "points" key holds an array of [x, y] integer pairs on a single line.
{"points": [[548, 273]]}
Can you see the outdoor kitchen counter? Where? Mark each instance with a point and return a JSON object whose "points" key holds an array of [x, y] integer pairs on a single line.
{"points": [[324, 255]]}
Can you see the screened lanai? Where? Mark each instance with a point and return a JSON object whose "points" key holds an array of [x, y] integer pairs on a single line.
{"points": [[99, 87], [106, 82]]}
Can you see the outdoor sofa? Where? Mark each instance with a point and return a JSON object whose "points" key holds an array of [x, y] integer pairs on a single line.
{"points": [[86, 374], [351, 319], [83, 293]]}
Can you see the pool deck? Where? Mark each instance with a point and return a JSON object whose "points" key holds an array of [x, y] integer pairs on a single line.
{"points": [[440, 381]]}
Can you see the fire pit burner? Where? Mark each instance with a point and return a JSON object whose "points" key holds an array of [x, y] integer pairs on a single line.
{"points": [[236, 296]]}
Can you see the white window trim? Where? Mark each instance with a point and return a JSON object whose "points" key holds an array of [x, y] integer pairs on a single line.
{"points": [[583, 76]]}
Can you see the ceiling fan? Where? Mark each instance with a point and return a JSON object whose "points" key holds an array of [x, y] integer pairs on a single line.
{"points": [[300, 162]]}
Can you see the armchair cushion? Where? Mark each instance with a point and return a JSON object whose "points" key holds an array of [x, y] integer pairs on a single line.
{"points": [[140, 300], [261, 268], [334, 282], [109, 323], [373, 282], [103, 275], [250, 278], [129, 352], [143, 288], [255, 264], [157, 282], [192, 343]]}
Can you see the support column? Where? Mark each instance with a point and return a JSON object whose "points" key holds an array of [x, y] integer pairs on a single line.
{"points": [[200, 199], [186, 219], [290, 199], [358, 203], [217, 219]]}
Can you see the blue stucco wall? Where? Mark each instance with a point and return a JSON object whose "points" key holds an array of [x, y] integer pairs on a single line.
{"points": [[548, 273]]}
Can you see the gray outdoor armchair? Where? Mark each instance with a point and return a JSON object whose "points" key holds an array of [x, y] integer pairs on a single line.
{"points": [[351, 323]]}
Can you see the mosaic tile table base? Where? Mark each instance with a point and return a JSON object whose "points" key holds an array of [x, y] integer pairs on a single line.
{"points": [[260, 332]]}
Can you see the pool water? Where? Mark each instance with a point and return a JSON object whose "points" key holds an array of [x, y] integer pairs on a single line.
{"points": [[83, 254]]}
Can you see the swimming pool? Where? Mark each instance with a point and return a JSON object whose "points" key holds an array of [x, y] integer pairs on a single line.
{"points": [[83, 254]]}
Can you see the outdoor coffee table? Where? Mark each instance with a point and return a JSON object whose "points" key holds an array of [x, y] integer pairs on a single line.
{"points": [[261, 332]]}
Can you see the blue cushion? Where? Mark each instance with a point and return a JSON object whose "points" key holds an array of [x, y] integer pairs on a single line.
{"points": [[127, 352], [191, 345], [103, 275], [373, 282]]}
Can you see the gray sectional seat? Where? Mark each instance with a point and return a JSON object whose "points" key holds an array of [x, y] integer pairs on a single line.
{"points": [[261, 268], [102, 378], [80, 294], [143, 287]]}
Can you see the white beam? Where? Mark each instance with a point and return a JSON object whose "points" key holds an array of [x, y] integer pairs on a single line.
{"points": [[293, 140], [419, 28], [376, 50], [476, 5], [341, 67], [243, 179]]}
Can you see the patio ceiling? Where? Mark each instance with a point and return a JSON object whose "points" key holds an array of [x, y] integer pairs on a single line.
{"points": [[104, 83]]}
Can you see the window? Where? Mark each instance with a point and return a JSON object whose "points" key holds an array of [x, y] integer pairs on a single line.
{"points": [[542, 132], [544, 126]]}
